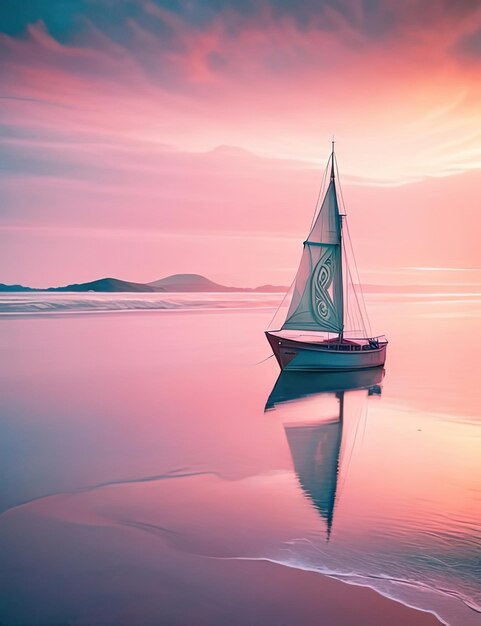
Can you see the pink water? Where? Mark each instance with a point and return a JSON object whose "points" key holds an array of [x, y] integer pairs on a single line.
{"points": [[135, 447]]}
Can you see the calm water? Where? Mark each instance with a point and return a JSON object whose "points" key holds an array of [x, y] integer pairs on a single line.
{"points": [[136, 448]]}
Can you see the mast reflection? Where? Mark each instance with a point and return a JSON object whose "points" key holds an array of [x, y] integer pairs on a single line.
{"points": [[315, 443]]}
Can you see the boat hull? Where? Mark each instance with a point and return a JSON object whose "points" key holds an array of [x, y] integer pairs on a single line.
{"points": [[302, 356]]}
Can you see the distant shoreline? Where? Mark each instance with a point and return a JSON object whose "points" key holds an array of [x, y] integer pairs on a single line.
{"points": [[176, 283]]}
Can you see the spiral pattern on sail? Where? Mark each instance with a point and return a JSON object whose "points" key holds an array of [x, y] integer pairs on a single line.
{"points": [[322, 305]]}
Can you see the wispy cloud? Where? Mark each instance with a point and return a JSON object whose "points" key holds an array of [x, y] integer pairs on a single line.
{"points": [[207, 117]]}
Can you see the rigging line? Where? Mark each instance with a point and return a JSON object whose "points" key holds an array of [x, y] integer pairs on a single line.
{"points": [[348, 294], [319, 195], [352, 249], [359, 317], [351, 452], [359, 282], [363, 323], [356, 323], [347, 315], [359, 321], [349, 311], [263, 360], [365, 421], [339, 185], [358, 275], [345, 287], [352, 324], [282, 302], [363, 309], [356, 315]]}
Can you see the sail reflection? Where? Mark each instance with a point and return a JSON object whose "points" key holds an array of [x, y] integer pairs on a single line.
{"points": [[316, 442], [315, 453]]}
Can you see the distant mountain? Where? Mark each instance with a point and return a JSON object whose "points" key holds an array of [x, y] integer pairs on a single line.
{"points": [[108, 285], [269, 289], [198, 283], [4, 287], [188, 282], [192, 283], [195, 283]]}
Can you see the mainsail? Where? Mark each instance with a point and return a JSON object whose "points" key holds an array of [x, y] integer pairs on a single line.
{"points": [[317, 299]]}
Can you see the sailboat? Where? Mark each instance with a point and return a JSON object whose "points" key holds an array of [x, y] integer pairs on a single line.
{"points": [[314, 335]]}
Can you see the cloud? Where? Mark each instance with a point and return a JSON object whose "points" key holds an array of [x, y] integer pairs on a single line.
{"points": [[65, 19], [113, 112], [470, 45], [257, 80]]}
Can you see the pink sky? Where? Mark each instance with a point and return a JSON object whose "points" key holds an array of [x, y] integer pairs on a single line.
{"points": [[193, 139]]}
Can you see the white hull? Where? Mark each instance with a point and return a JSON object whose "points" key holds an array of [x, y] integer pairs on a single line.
{"points": [[302, 356]]}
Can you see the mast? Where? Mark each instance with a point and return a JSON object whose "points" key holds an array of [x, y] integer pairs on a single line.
{"points": [[333, 181], [330, 519], [317, 302], [332, 162]]}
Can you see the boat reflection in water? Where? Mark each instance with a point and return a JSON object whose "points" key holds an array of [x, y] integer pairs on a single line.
{"points": [[316, 444]]}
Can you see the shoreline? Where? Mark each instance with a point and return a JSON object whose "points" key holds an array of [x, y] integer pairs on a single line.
{"points": [[309, 598]]}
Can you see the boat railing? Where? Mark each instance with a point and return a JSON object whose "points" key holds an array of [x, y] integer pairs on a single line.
{"points": [[380, 338], [352, 347], [369, 343]]}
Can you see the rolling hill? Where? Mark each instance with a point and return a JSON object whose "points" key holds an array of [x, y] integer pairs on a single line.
{"points": [[191, 283]]}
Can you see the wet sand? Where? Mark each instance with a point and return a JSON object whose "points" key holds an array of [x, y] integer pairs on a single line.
{"points": [[261, 592], [88, 573]]}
